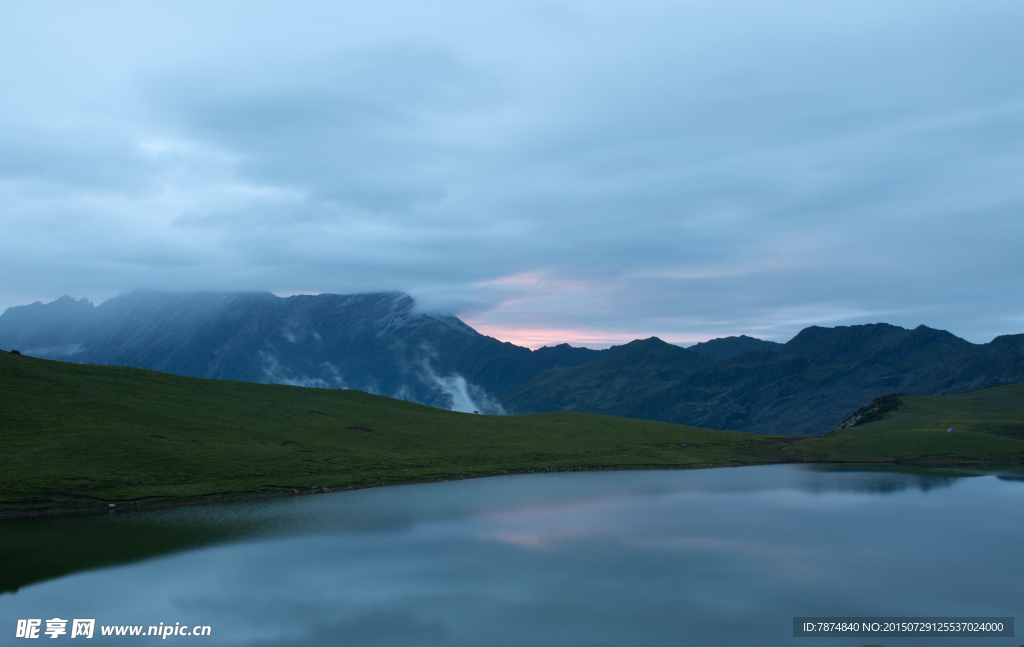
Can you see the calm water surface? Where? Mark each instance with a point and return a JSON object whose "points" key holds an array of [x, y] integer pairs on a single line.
{"points": [[710, 557]]}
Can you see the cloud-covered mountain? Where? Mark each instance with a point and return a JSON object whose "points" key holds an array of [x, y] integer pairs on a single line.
{"points": [[808, 385], [378, 343]]}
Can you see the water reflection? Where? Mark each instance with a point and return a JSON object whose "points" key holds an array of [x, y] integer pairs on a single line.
{"points": [[886, 479], [710, 557], [38, 549]]}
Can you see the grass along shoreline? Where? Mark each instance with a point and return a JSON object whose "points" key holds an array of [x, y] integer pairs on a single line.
{"points": [[77, 438], [130, 506]]}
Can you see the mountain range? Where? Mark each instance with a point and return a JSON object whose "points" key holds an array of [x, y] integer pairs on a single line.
{"points": [[809, 385], [382, 343]]}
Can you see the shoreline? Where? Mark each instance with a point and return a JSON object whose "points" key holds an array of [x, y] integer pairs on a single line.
{"points": [[132, 507]]}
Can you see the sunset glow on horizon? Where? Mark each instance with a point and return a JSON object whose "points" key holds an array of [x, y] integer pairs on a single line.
{"points": [[537, 337]]}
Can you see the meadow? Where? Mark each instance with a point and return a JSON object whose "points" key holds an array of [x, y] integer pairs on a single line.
{"points": [[82, 437]]}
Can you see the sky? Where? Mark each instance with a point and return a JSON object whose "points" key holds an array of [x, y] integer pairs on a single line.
{"points": [[586, 172]]}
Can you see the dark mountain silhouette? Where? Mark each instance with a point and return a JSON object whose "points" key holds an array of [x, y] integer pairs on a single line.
{"points": [[728, 347], [372, 342], [613, 382], [807, 386]]}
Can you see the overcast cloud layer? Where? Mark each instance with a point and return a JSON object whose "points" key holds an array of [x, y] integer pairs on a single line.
{"points": [[551, 171]]}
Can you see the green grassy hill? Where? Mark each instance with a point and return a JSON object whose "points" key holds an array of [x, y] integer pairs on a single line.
{"points": [[997, 410], [81, 437], [987, 424], [84, 436]]}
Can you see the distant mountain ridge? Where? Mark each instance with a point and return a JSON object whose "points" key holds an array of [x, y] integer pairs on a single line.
{"points": [[808, 385], [728, 347], [381, 343]]}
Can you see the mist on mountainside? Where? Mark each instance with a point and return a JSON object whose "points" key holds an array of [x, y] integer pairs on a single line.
{"points": [[378, 343]]}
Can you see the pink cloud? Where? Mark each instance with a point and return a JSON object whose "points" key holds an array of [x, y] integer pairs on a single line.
{"points": [[534, 338]]}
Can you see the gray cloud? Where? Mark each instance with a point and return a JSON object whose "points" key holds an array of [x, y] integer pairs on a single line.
{"points": [[564, 171]]}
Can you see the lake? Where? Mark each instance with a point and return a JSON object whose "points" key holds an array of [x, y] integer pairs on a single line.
{"points": [[694, 557]]}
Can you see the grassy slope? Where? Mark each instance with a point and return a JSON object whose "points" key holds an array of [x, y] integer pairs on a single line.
{"points": [[82, 436], [988, 424], [75, 435]]}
